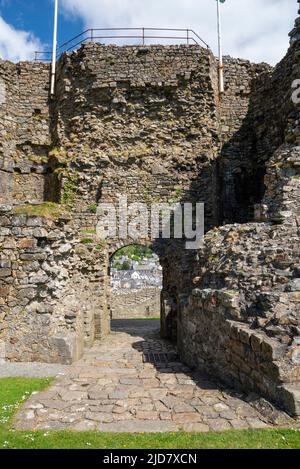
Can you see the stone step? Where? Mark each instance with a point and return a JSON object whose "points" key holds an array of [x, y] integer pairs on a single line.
{"points": [[291, 396]]}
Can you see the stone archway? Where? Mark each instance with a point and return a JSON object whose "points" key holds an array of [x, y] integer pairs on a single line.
{"points": [[168, 303], [135, 283]]}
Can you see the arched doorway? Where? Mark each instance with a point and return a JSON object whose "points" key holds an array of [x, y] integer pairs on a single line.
{"points": [[128, 256], [136, 280]]}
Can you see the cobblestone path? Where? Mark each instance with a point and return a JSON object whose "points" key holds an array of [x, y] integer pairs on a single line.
{"points": [[125, 385]]}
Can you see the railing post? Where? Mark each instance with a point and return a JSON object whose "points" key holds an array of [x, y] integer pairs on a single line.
{"points": [[92, 35], [143, 36], [187, 36]]}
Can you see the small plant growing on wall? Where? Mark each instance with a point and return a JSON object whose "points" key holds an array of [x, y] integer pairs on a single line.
{"points": [[92, 208], [69, 189], [87, 241]]}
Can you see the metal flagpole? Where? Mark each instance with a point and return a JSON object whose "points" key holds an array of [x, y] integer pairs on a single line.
{"points": [[53, 68], [221, 67]]}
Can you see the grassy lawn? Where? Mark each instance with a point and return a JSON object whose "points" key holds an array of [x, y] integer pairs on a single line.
{"points": [[148, 317], [14, 391]]}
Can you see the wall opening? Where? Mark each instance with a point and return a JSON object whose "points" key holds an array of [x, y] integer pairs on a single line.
{"points": [[136, 283]]}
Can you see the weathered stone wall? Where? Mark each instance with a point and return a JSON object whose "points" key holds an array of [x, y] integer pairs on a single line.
{"points": [[138, 112], [25, 136], [51, 288], [130, 121], [254, 114], [216, 341], [147, 122], [241, 319], [126, 303]]}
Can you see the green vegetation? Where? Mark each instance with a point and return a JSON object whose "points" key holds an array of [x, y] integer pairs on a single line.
{"points": [[49, 210], [59, 154], [38, 159], [87, 241], [88, 232], [122, 265], [148, 317], [92, 208], [134, 252], [101, 245], [13, 391], [69, 190]]}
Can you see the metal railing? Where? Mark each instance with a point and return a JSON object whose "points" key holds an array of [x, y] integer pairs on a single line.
{"points": [[141, 35]]}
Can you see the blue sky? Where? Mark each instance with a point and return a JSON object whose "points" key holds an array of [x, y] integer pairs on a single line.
{"points": [[36, 16], [253, 29]]}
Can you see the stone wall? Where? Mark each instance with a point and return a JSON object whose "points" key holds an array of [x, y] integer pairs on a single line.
{"points": [[216, 340], [128, 304], [52, 287], [25, 135], [129, 121], [138, 111], [148, 123], [240, 320]]}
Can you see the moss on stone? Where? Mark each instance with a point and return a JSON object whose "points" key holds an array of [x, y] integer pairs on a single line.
{"points": [[92, 208], [48, 210], [101, 245], [87, 241], [38, 159], [69, 190], [88, 232]]}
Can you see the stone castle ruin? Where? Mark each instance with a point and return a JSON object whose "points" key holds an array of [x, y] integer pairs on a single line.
{"points": [[148, 122]]}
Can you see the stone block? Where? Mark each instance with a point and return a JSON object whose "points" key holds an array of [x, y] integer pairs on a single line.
{"points": [[69, 348], [26, 243], [289, 396], [272, 350], [255, 342], [2, 351], [5, 272]]}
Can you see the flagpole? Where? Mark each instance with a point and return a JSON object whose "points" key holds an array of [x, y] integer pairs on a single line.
{"points": [[221, 66], [54, 48]]}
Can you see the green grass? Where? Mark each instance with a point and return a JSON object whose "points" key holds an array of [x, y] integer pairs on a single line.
{"points": [[13, 391], [49, 210], [87, 241], [88, 232], [92, 208], [148, 317]]}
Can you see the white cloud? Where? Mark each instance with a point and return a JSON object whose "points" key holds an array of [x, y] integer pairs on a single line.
{"points": [[252, 29], [16, 45]]}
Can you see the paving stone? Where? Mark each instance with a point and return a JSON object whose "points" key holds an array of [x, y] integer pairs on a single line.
{"points": [[84, 426], [150, 383], [111, 389], [256, 423], [195, 427], [239, 424], [99, 417], [218, 425], [187, 417], [72, 395], [98, 395], [220, 407], [147, 415], [131, 381], [139, 393], [182, 408], [103, 408], [135, 426], [228, 415], [119, 394], [165, 416]]}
